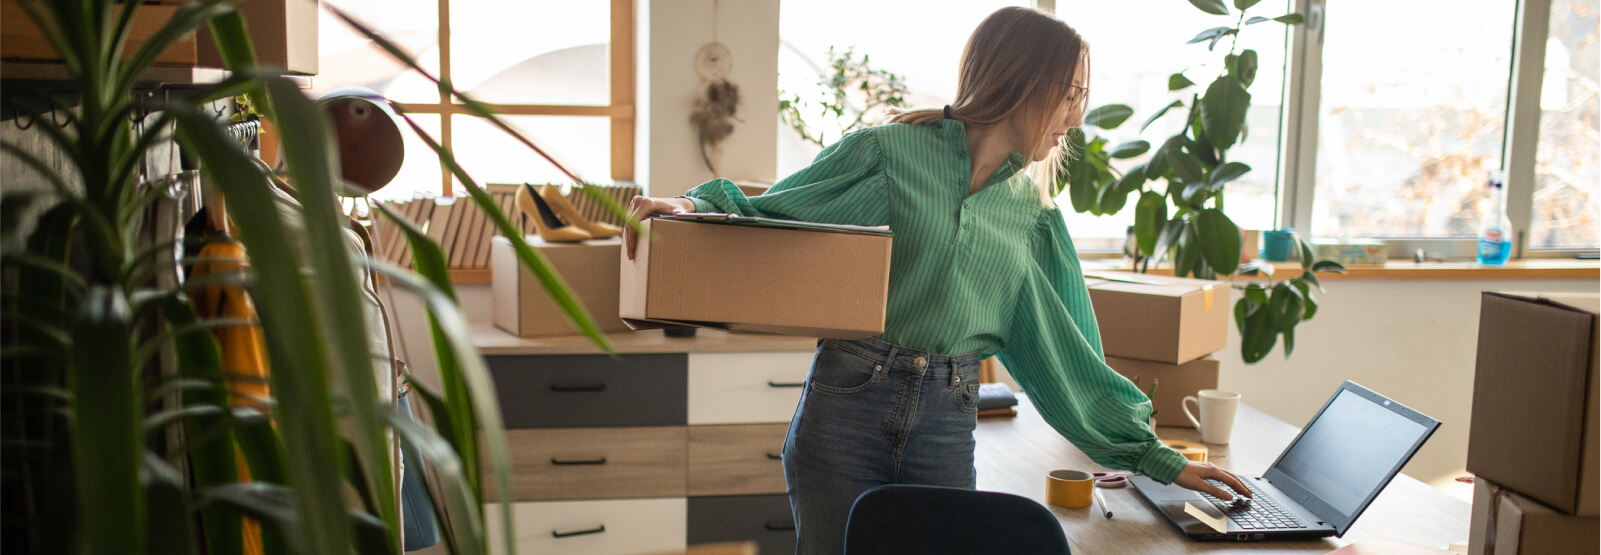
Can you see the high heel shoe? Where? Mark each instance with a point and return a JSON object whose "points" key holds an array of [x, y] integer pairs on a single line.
{"points": [[546, 223], [552, 197]]}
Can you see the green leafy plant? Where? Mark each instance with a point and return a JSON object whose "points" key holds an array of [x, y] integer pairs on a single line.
{"points": [[1177, 193], [117, 430], [1150, 394], [853, 95]]}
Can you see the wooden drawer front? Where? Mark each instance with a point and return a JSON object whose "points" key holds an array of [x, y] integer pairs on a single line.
{"points": [[578, 391], [736, 460], [595, 463], [745, 388], [764, 519], [593, 527]]}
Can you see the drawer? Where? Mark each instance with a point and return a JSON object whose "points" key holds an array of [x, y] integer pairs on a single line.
{"points": [[764, 519], [593, 527], [736, 460], [745, 388], [595, 463], [577, 391]]}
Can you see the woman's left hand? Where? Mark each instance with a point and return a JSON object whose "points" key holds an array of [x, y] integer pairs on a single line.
{"points": [[1195, 476]]}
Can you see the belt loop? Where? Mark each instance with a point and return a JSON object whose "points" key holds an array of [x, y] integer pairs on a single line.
{"points": [[955, 380], [889, 361]]}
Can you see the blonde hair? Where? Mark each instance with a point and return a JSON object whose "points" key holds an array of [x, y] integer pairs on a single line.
{"points": [[1019, 62]]}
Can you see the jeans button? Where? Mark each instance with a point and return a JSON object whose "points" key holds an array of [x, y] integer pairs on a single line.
{"points": [[920, 362], [958, 380]]}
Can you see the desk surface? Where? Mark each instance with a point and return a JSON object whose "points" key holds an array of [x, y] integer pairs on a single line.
{"points": [[492, 341], [1014, 454]]}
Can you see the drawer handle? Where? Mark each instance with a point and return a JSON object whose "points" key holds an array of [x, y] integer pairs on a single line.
{"points": [[771, 383], [591, 387], [559, 462], [602, 529], [779, 526], [775, 456]]}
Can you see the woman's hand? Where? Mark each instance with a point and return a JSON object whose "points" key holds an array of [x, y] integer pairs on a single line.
{"points": [[644, 208], [1195, 476]]}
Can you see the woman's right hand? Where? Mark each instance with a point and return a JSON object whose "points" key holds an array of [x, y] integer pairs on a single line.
{"points": [[644, 208]]}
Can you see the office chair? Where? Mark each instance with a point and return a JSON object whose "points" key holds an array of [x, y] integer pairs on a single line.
{"points": [[899, 519]]}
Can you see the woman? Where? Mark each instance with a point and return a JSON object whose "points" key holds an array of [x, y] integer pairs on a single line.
{"points": [[982, 265]]}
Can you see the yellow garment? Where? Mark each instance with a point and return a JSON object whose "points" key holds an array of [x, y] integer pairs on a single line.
{"points": [[244, 352]]}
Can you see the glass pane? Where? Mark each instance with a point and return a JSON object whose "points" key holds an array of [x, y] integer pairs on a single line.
{"points": [[349, 59], [921, 42], [420, 172], [1567, 196], [1405, 142], [582, 143], [518, 53], [1133, 69]]}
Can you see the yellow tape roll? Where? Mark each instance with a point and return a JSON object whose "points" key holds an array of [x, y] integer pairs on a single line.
{"points": [[1069, 488], [1191, 450]]}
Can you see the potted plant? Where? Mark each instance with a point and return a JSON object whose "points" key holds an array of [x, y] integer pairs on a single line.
{"points": [[1178, 193], [93, 340]]}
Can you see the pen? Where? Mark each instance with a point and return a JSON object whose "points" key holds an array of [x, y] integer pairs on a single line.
{"points": [[1102, 502]]}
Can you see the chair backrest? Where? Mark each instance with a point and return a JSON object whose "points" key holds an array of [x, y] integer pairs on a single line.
{"points": [[936, 520]]}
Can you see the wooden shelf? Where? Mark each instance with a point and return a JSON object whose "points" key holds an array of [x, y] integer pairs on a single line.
{"points": [[55, 71], [491, 340], [1539, 268]]}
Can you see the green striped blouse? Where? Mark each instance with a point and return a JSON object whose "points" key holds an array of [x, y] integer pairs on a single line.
{"points": [[992, 272]]}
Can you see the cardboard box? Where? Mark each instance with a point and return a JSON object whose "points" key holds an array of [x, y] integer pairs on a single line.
{"points": [[1506, 523], [1159, 318], [523, 308], [757, 279], [1534, 398], [1174, 381], [21, 40], [1353, 252]]}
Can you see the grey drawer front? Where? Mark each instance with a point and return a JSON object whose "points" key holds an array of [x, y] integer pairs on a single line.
{"points": [[587, 391], [764, 519]]}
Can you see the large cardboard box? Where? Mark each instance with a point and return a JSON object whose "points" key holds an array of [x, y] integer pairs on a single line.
{"points": [[1159, 318], [1506, 523], [1534, 398], [758, 279], [1174, 381], [523, 308]]}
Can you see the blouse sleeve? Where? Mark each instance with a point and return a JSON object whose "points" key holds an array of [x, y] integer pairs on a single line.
{"points": [[1054, 352], [845, 184]]}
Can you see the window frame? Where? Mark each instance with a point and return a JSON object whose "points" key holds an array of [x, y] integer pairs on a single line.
{"points": [[620, 109], [1520, 142]]}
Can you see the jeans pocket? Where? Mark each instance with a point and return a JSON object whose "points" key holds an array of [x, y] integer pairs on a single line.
{"points": [[967, 395], [836, 370]]}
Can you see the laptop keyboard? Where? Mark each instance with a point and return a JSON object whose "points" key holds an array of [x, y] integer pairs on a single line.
{"points": [[1261, 513]]}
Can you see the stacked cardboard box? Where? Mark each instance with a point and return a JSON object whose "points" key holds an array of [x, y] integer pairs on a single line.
{"points": [[1163, 329], [1532, 441], [522, 306]]}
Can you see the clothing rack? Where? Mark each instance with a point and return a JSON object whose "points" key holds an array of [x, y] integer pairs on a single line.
{"points": [[247, 133]]}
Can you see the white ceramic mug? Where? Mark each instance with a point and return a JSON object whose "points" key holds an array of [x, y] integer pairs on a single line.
{"points": [[1217, 414]]}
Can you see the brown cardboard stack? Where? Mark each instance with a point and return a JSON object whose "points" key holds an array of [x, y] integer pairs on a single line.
{"points": [[758, 279], [1506, 523], [1162, 328], [1535, 419], [523, 308]]}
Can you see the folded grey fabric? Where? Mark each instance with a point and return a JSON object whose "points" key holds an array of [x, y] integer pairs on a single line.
{"points": [[995, 396]]}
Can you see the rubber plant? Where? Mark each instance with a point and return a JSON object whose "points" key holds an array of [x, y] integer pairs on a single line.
{"points": [[1178, 191], [98, 456]]}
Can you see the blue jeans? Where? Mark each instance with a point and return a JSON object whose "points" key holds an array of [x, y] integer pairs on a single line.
{"points": [[873, 413]]}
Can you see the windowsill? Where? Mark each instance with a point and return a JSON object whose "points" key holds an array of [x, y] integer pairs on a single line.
{"points": [[1538, 268]]}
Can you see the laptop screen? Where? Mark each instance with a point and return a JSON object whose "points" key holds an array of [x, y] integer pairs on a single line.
{"points": [[1355, 446]]}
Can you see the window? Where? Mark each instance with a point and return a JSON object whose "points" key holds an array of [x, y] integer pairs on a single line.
{"points": [[1567, 194], [1411, 117], [569, 87]]}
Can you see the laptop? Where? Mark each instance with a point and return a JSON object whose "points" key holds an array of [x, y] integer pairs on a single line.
{"points": [[1318, 486]]}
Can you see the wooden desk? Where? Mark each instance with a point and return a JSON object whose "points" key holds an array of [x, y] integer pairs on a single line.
{"points": [[1014, 454]]}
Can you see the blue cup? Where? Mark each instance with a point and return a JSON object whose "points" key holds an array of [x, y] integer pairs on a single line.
{"points": [[1279, 246]]}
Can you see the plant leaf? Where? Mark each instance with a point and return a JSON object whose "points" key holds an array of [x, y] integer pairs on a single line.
{"points": [[1178, 81], [1160, 113], [1223, 111], [1228, 172], [1081, 177], [1290, 19], [1112, 197], [107, 442], [1203, 36], [1287, 305], [1214, 7], [1255, 19], [1328, 265], [1132, 180], [1185, 165], [169, 527], [1258, 336], [1130, 149], [1150, 216], [1108, 117], [1245, 67], [1189, 251], [1243, 5], [1220, 240]]}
